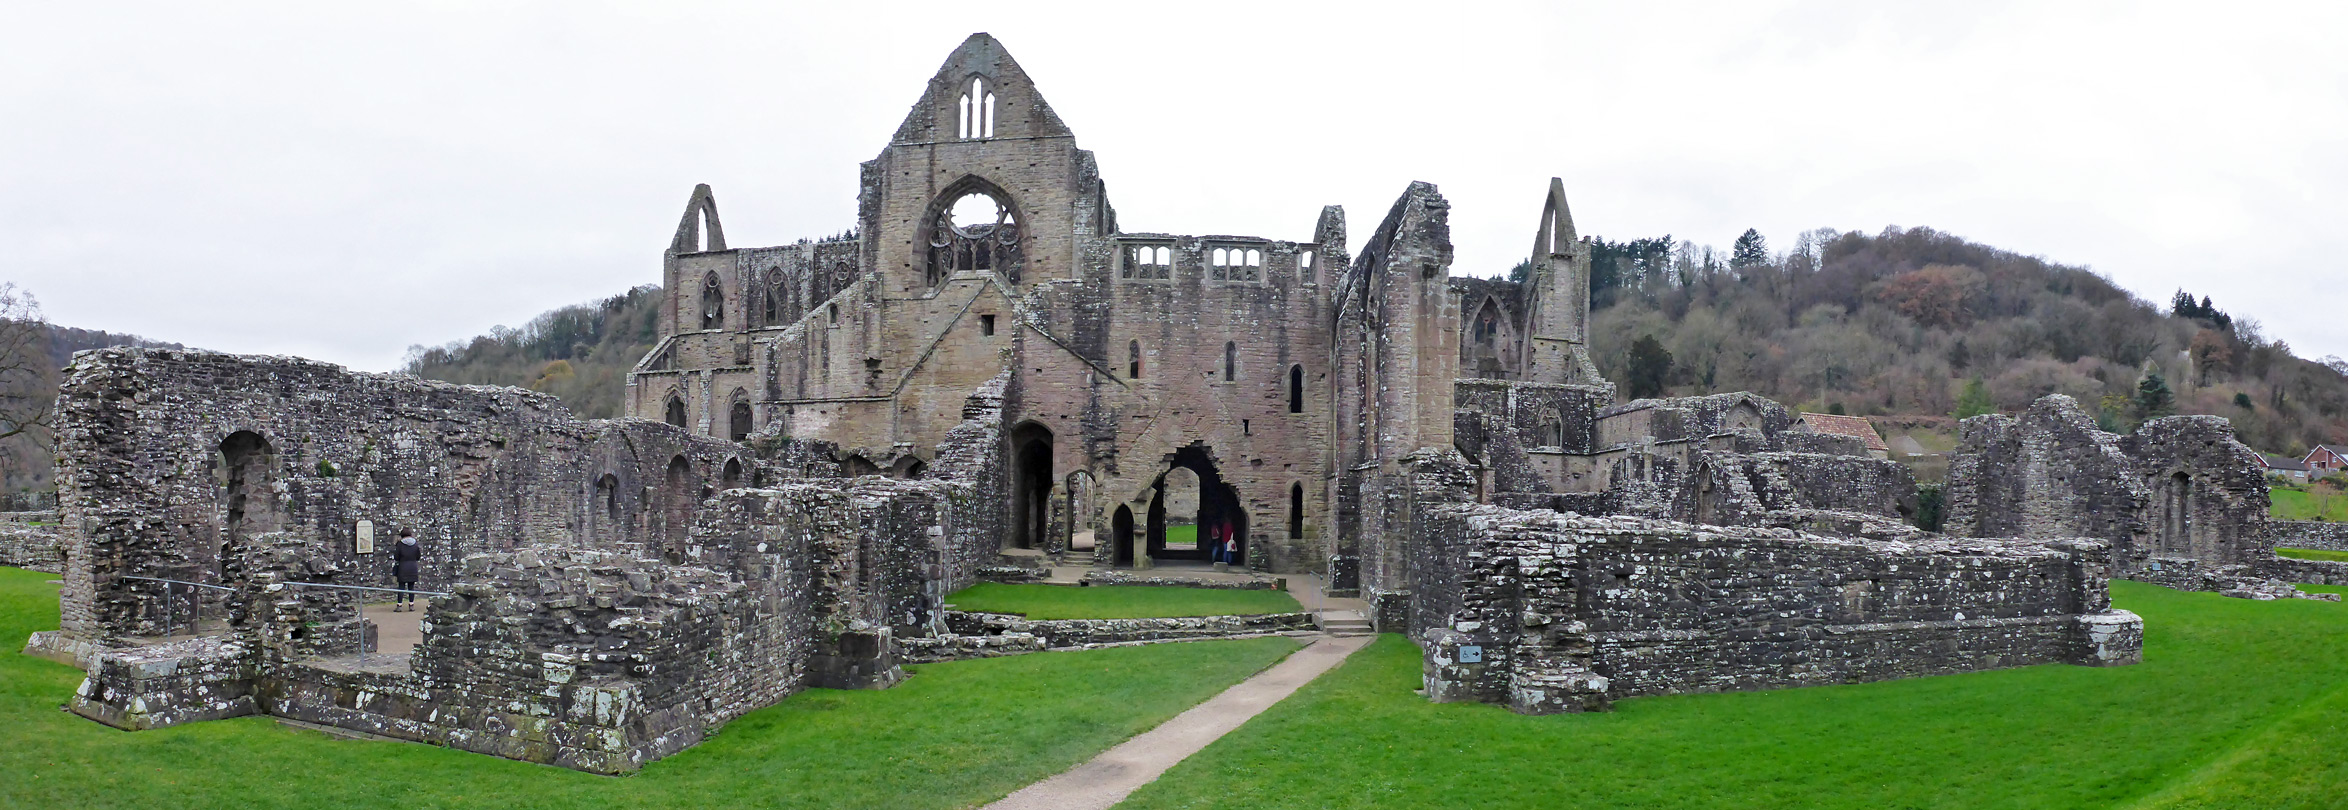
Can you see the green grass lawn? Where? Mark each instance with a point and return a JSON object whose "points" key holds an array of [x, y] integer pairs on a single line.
{"points": [[1117, 601], [954, 735], [2296, 504], [2239, 704], [2312, 554]]}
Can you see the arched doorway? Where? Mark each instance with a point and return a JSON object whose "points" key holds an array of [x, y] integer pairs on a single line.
{"points": [[677, 488], [1218, 506], [738, 421], [1121, 534], [1031, 485]]}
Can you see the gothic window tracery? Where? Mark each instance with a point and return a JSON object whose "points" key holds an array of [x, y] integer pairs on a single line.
{"points": [[977, 232], [976, 112], [713, 302]]}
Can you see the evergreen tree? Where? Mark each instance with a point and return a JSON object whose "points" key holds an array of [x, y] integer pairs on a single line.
{"points": [[1960, 355], [1650, 364], [1750, 251], [2153, 397], [1974, 400]]}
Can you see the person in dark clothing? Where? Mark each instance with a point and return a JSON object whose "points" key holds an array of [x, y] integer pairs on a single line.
{"points": [[406, 560]]}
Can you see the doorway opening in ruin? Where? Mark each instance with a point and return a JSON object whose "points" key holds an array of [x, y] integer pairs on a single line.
{"points": [[1121, 534], [1031, 485], [248, 501], [738, 422], [1218, 512], [2176, 526], [676, 502]]}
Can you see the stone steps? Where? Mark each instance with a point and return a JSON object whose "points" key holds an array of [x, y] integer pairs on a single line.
{"points": [[1344, 623]]}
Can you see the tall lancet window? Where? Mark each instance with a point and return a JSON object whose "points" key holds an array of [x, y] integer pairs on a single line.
{"points": [[977, 111]]}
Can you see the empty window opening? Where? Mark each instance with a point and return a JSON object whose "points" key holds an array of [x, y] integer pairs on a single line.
{"points": [[1235, 264], [607, 490], [986, 325], [733, 475], [1296, 510], [675, 412], [976, 231], [770, 304], [1230, 361], [1148, 262], [1133, 360], [738, 421], [832, 312], [977, 112], [713, 302], [1296, 389], [1244, 430], [1304, 260]]}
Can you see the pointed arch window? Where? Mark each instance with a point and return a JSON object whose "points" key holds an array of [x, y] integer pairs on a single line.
{"points": [[675, 412], [1296, 510], [1133, 360], [1296, 389], [771, 299], [1230, 361], [713, 302], [973, 230], [976, 111]]}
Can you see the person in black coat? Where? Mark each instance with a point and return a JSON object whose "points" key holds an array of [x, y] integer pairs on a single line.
{"points": [[406, 563]]}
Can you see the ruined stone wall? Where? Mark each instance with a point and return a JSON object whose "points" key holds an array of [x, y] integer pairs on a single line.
{"points": [[1690, 419], [1738, 489], [1529, 436], [149, 473], [2177, 488], [2308, 534], [32, 540], [1568, 612]]}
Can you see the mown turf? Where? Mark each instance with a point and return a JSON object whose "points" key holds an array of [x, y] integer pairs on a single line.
{"points": [[2314, 502], [1117, 601], [954, 735], [2312, 554], [2238, 704]]}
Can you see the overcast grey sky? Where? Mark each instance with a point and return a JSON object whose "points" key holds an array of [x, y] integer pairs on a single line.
{"points": [[342, 180]]}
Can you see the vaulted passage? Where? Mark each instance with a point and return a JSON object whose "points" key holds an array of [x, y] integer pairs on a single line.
{"points": [[1219, 514], [1031, 485]]}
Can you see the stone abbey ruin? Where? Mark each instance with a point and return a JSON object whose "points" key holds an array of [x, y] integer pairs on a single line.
{"points": [[991, 372]]}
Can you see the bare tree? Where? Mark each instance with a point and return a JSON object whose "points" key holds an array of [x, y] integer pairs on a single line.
{"points": [[28, 375]]}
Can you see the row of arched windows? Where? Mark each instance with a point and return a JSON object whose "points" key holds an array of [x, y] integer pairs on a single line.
{"points": [[739, 417], [1156, 262]]}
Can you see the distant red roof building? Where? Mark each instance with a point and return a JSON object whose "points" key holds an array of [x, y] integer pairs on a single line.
{"points": [[1857, 426], [2327, 458]]}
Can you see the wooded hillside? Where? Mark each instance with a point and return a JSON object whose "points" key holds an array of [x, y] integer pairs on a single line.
{"points": [[1916, 321], [581, 353]]}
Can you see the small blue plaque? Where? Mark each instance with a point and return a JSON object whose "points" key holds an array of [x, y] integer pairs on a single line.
{"points": [[1471, 654]]}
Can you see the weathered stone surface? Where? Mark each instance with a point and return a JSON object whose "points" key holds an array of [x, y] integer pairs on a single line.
{"points": [[32, 540], [2313, 534]]}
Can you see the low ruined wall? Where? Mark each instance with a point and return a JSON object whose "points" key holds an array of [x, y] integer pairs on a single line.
{"points": [[1058, 633], [168, 684], [32, 540], [2306, 572], [2314, 534], [1566, 613]]}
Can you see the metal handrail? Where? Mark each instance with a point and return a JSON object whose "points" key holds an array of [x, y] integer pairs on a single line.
{"points": [[171, 606], [178, 582], [362, 613], [367, 588]]}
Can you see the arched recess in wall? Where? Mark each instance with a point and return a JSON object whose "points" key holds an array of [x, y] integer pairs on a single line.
{"points": [[1230, 361], [738, 416], [674, 412], [908, 467], [732, 477], [248, 465], [1133, 360], [974, 225], [713, 302], [607, 509], [857, 465], [1031, 485], [1296, 511], [2176, 530], [676, 502], [1121, 536], [1296, 388]]}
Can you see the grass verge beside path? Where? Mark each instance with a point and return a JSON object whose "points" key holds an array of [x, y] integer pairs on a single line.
{"points": [[955, 735], [2312, 554], [1117, 601], [2233, 700], [2302, 504]]}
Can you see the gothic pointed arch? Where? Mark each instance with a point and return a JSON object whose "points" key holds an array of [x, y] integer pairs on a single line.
{"points": [[700, 221], [959, 234]]}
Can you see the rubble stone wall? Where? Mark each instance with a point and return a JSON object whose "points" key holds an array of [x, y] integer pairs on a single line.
{"points": [[1567, 613], [2314, 534], [32, 540]]}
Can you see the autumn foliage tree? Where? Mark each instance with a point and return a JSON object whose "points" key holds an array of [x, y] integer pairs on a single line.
{"points": [[1936, 295]]}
